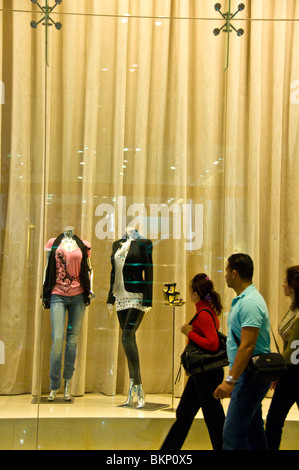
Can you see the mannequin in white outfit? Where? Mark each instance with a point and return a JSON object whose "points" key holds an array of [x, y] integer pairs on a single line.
{"points": [[128, 257]]}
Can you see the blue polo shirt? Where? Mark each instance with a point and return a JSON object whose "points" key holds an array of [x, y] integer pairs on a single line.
{"points": [[248, 309]]}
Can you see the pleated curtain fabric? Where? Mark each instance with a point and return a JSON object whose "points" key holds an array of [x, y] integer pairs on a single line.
{"points": [[135, 114]]}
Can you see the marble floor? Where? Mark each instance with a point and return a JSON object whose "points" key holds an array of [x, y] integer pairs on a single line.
{"points": [[96, 421]]}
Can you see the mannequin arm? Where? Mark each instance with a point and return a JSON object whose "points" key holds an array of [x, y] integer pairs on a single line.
{"points": [[110, 308], [90, 273], [92, 296]]}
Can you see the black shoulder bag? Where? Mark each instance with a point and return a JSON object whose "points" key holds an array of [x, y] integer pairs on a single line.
{"points": [[197, 360], [265, 368]]}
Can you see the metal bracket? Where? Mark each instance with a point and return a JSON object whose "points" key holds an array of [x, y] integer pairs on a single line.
{"points": [[46, 10], [228, 27]]}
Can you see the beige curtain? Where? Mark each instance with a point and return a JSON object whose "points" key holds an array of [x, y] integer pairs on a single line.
{"points": [[135, 119]]}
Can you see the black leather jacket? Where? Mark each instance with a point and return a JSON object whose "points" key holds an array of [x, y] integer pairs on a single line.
{"points": [[50, 279], [137, 270]]}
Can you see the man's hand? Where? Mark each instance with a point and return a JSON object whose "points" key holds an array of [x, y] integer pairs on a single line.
{"points": [[223, 390], [248, 341]]}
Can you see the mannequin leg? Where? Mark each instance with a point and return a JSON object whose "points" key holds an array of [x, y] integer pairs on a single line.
{"points": [[130, 320], [76, 310], [58, 311]]}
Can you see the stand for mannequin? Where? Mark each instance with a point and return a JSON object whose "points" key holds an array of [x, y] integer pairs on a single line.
{"points": [[59, 400], [147, 407], [173, 344]]}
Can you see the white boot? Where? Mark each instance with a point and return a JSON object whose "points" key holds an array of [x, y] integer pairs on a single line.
{"points": [[131, 393], [52, 395], [140, 397], [67, 390]]}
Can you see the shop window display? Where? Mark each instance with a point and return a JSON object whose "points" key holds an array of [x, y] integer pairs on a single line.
{"points": [[136, 115]]}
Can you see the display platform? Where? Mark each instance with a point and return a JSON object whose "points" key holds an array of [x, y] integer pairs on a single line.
{"points": [[44, 400], [99, 422]]}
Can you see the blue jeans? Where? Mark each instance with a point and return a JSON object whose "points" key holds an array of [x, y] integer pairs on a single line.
{"points": [[244, 426], [76, 307]]}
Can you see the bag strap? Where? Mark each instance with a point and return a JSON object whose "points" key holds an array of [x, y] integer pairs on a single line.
{"points": [[238, 341], [274, 340], [236, 338], [204, 310]]}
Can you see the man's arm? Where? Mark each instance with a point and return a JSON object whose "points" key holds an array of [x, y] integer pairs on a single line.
{"points": [[248, 341]]}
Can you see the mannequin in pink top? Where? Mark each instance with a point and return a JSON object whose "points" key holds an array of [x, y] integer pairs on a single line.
{"points": [[68, 294]]}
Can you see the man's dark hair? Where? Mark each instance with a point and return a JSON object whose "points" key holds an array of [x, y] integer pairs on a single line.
{"points": [[243, 264]]}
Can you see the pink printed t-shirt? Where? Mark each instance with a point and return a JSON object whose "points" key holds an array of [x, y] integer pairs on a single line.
{"points": [[68, 267]]}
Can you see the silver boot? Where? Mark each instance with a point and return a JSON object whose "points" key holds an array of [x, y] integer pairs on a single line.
{"points": [[67, 390], [131, 393], [52, 395], [140, 397]]}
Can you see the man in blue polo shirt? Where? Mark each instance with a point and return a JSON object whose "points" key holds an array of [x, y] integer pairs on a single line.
{"points": [[249, 320]]}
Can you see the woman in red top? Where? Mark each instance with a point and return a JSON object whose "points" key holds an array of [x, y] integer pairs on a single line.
{"points": [[198, 392]]}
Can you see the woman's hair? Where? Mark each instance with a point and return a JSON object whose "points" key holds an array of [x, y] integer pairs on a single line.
{"points": [[293, 282], [204, 287]]}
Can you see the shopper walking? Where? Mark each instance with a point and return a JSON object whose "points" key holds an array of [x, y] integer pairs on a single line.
{"points": [[249, 320], [287, 388], [198, 392]]}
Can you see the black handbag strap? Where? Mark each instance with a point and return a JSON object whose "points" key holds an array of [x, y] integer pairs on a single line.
{"points": [[236, 338], [203, 310], [238, 341], [274, 340]]}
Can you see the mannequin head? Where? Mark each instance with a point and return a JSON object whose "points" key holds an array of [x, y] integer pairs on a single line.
{"points": [[130, 231], [68, 231]]}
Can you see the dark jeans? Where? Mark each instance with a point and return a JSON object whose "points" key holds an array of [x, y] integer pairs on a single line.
{"points": [[198, 394], [130, 320], [244, 426], [285, 395]]}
